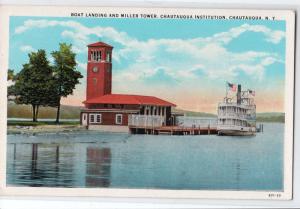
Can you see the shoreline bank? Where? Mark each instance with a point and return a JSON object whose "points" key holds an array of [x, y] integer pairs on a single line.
{"points": [[16, 129]]}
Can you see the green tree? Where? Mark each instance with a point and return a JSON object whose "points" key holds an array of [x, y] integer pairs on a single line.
{"points": [[10, 74], [65, 74], [10, 89], [34, 83]]}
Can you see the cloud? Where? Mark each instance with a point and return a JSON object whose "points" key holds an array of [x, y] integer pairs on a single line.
{"points": [[27, 48], [81, 66], [273, 36], [180, 59], [29, 24], [79, 33]]}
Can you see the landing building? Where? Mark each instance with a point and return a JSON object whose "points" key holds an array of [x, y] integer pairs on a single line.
{"points": [[115, 112]]}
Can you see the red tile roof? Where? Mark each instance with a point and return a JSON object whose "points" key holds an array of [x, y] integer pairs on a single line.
{"points": [[100, 44], [128, 99]]}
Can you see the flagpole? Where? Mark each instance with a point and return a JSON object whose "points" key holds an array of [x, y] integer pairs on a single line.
{"points": [[226, 87]]}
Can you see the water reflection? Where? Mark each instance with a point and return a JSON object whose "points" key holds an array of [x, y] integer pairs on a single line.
{"points": [[15, 150], [34, 171], [54, 165], [98, 166], [92, 159], [39, 165]]}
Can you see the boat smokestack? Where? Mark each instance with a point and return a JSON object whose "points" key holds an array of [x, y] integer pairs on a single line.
{"points": [[239, 90]]}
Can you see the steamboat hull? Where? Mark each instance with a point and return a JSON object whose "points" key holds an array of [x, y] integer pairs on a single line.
{"points": [[235, 133]]}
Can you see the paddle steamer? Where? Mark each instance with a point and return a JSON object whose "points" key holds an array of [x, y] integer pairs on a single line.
{"points": [[237, 113]]}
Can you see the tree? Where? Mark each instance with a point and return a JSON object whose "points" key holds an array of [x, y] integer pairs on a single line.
{"points": [[10, 74], [10, 87], [34, 83], [65, 74]]}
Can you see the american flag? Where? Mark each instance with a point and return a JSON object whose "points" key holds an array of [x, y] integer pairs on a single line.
{"points": [[231, 86], [251, 92]]}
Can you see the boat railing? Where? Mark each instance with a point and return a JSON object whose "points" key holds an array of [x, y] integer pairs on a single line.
{"points": [[185, 121], [229, 104], [233, 115], [243, 116]]}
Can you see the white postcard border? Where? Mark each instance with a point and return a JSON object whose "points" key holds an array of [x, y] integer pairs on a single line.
{"points": [[63, 11]]}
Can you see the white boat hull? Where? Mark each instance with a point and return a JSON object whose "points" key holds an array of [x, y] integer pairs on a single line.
{"points": [[236, 130], [235, 133]]}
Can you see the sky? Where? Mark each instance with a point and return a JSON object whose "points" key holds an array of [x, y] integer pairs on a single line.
{"points": [[186, 62]]}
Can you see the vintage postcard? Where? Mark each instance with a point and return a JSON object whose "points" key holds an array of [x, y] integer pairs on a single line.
{"points": [[147, 102]]}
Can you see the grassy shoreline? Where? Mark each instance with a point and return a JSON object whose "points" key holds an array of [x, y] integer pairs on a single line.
{"points": [[40, 123], [29, 127]]}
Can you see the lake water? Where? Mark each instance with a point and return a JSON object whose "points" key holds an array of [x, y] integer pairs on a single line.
{"points": [[93, 159]]}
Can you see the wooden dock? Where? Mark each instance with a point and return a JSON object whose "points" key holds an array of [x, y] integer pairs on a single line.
{"points": [[173, 130]]}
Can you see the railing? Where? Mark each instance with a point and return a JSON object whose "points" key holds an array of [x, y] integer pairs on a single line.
{"points": [[145, 120], [233, 104], [233, 115], [185, 121]]}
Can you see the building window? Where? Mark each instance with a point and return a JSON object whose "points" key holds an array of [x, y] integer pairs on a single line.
{"points": [[96, 56], [119, 118], [147, 110], [95, 118], [92, 118], [92, 55], [95, 81], [108, 57], [98, 118]]}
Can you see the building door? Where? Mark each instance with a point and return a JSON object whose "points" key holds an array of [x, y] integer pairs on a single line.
{"points": [[84, 119]]}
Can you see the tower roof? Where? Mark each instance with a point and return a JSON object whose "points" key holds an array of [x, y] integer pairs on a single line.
{"points": [[100, 44], [128, 99]]}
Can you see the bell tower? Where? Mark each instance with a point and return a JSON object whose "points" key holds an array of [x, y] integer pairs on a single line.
{"points": [[99, 69]]}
